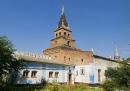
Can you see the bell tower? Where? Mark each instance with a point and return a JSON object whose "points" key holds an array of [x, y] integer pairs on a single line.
{"points": [[62, 48], [63, 34]]}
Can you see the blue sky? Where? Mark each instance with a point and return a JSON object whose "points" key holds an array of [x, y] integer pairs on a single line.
{"points": [[97, 24]]}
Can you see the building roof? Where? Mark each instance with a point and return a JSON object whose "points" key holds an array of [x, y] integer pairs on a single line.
{"points": [[37, 58], [105, 58]]}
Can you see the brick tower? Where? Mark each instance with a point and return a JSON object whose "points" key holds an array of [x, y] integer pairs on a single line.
{"points": [[62, 35], [63, 48]]}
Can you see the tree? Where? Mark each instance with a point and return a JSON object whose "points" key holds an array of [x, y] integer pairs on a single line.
{"points": [[120, 75], [109, 85], [8, 63], [128, 58]]}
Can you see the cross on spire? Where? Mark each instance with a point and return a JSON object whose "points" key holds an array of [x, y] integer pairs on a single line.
{"points": [[62, 11]]}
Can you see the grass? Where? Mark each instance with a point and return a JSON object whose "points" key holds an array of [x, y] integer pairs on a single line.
{"points": [[54, 87]]}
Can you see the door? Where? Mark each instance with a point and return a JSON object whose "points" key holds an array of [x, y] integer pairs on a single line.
{"points": [[69, 78]]}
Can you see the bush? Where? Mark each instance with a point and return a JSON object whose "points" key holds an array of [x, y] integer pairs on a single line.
{"points": [[109, 85]]}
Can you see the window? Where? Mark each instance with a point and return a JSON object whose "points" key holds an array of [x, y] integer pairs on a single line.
{"points": [[64, 33], [25, 73], [56, 35], [55, 56], [56, 74], [34, 73], [68, 35], [69, 59], [82, 71], [50, 74], [99, 75], [82, 60], [77, 73], [68, 43], [64, 58], [59, 33]]}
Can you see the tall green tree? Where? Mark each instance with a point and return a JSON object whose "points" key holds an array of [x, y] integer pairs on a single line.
{"points": [[119, 75], [8, 63]]}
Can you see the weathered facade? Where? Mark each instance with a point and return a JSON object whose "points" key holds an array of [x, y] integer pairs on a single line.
{"points": [[43, 67], [66, 63], [39, 68]]}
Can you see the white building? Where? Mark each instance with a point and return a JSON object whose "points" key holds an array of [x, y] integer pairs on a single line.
{"points": [[39, 68]]}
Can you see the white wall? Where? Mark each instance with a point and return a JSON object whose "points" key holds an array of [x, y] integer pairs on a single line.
{"points": [[43, 73], [81, 78]]}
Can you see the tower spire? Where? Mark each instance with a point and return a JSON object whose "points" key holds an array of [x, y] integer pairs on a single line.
{"points": [[63, 22], [116, 51], [116, 54]]}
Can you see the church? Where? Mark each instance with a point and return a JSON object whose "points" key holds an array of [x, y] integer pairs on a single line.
{"points": [[63, 63]]}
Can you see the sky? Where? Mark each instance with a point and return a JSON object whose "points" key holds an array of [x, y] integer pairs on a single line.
{"points": [[97, 24]]}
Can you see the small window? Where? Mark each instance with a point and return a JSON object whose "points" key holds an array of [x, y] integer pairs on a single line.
{"points": [[64, 33], [68, 35], [56, 35], [64, 58], [68, 43], [59, 33], [69, 59], [82, 72], [55, 56], [25, 73], [82, 60], [56, 74], [99, 75], [50, 74], [33, 74], [77, 73]]}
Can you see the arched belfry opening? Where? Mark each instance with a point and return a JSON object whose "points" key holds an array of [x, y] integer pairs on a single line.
{"points": [[68, 43], [64, 34]]}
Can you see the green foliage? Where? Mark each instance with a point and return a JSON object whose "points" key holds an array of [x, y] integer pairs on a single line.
{"points": [[120, 75], [8, 64], [128, 58], [109, 85]]}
